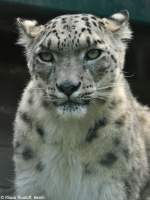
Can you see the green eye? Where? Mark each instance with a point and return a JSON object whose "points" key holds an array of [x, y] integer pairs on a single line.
{"points": [[93, 54], [46, 56]]}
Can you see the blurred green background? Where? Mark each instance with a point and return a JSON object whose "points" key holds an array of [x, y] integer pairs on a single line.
{"points": [[139, 9]]}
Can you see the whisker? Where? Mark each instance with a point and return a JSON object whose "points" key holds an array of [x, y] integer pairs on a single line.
{"points": [[129, 76], [38, 88], [110, 86], [128, 73], [100, 97], [58, 100]]}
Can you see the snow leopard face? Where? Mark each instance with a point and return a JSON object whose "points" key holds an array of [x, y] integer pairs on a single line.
{"points": [[76, 59]]}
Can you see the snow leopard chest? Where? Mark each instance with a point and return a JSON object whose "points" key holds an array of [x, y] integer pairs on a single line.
{"points": [[70, 178]]}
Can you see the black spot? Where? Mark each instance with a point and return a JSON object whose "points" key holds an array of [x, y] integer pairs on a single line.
{"points": [[54, 23], [88, 24], [49, 43], [45, 103], [76, 16], [27, 153], [109, 159], [40, 166], [39, 86], [83, 29], [94, 23], [85, 18], [87, 169], [47, 35], [66, 27], [72, 42], [116, 141], [127, 189], [89, 30], [63, 21], [40, 131], [111, 70], [126, 153], [30, 100], [88, 41], [53, 26], [79, 34], [95, 42], [58, 44], [100, 24], [92, 133], [57, 36], [113, 58], [114, 103], [94, 18], [100, 41], [73, 26], [64, 18], [25, 117], [54, 31], [121, 120], [17, 145]]}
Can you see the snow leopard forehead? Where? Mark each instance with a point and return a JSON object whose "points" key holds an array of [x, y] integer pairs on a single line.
{"points": [[75, 22], [73, 31]]}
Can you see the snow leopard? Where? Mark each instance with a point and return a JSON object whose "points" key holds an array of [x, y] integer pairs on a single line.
{"points": [[79, 132]]}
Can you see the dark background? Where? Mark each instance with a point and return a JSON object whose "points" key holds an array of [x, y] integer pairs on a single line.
{"points": [[14, 75]]}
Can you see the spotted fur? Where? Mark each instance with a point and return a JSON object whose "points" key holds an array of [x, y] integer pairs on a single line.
{"points": [[79, 134]]}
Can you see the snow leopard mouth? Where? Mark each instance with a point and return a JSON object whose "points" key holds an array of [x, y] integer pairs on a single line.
{"points": [[71, 104], [72, 107]]}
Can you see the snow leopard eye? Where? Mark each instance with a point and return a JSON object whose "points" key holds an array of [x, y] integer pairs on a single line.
{"points": [[46, 56], [93, 54]]}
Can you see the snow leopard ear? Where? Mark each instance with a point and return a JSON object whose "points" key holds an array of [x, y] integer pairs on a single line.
{"points": [[28, 29], [118, 24]]}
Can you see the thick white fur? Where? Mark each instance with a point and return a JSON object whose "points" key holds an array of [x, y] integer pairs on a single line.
{"points": [[64, 154]]}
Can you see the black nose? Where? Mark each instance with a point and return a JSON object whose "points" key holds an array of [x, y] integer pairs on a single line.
{"points": [[68, 87]]}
